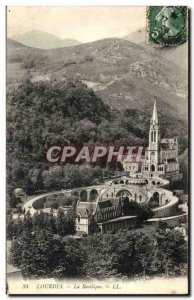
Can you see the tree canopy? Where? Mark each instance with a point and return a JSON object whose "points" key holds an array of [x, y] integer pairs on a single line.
{"points": [[124, 254]]}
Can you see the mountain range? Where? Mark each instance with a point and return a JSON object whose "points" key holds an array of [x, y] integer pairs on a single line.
{"points": [[123, 74], [44, 40], [175, 54]]}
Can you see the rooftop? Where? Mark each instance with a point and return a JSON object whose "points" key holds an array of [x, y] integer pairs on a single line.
{"points": [[108, 202], [86, 208], [118, 219]]}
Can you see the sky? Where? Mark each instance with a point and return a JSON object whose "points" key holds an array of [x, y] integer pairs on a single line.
{"points": [[82, 23]]}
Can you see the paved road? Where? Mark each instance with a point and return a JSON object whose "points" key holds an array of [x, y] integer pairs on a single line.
{"points": [[28, 206]]}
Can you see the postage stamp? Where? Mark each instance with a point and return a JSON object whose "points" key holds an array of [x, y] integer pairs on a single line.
{"points": [[167, 25]]}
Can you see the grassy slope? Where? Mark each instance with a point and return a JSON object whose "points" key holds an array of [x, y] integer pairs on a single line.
{"points": [[126, 74]]}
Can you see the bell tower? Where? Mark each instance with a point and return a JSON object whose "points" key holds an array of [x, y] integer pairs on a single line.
{"points": [[154, 139]]}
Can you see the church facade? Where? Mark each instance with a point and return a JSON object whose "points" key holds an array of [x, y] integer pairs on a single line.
{"points": [[161, 156], [146, 182], [102, 216]]}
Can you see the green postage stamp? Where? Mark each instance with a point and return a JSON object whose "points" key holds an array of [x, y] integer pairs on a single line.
{"points": [[167, 25]]}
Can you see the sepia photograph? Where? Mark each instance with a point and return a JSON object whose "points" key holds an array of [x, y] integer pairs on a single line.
{"points": [[97, 150]]}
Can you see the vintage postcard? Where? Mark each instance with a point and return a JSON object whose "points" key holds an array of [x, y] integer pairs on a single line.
{"points": [[97, 150]]}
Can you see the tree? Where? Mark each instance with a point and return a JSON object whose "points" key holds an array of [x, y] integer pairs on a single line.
{"points": [[65, 224], [61, 223], [27, 222], [144, 253], [36, 178], [124, 254], [72, 259], [28, 186], [39, 221], [42, 254], [52, 223], [71, 215], [16, 251], [184, 170], [171, 252], [127, 207], [10, 228], [14, 201], [142, 211], [54, 205], [56, 108], [14, 228], [162, 224], [101, 255]]}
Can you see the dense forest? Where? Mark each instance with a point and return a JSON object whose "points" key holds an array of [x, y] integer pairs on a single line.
{"points": [[44, 113], [42, 248]]}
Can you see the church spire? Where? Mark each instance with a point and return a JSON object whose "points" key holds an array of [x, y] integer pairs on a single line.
{"points": [[154, 139], [154, 119]]}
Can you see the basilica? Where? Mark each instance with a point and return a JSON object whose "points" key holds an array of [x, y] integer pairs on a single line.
{"points": [[146, 181], [161, 156]]}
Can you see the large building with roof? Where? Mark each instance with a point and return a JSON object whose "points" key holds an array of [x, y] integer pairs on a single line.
{"points": [[161, 156], [144, 183], [100, 208], [102, 216]]}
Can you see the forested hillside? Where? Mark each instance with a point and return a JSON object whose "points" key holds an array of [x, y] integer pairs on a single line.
{"points": [[45, 113], [100, 92]]}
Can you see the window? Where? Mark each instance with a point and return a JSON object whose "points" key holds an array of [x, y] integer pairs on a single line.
{"points": [[152, 137]]}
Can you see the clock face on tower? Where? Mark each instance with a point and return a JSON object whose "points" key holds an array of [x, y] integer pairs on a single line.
{"points": [[152, 154]]}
